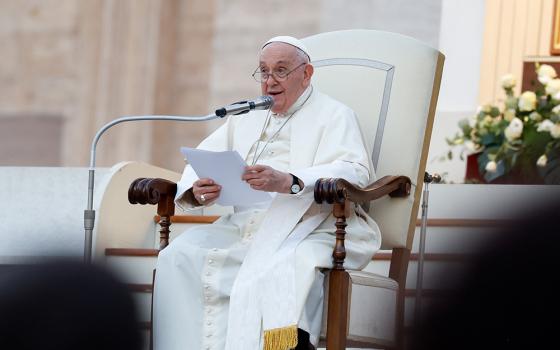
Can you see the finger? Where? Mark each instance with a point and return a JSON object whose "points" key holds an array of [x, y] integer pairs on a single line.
{"points": [[198, 191], [211, 196], [251, 175], [257, 182], [257, 167], [263, 187], [209, 189], [205, 188], [204, 182]]}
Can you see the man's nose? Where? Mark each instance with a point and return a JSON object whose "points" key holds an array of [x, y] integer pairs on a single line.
{"points": [[270, 80]]}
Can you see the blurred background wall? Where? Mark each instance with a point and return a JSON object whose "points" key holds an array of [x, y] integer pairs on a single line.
{"points": [[70, 66]]}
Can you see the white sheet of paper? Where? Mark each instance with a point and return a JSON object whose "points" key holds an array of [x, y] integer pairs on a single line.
{"points": [[226, 169]]}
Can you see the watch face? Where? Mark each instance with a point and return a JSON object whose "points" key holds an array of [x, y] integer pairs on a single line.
{"points": [[295, 188]]}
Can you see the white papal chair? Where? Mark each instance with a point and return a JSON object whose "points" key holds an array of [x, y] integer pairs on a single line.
{"points": [[392, 82]]}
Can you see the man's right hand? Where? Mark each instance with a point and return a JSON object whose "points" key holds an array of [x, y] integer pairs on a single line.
{"points": [[206, 191]]}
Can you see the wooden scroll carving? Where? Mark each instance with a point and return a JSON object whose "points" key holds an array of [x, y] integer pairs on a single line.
{"points": [[160, 192]]}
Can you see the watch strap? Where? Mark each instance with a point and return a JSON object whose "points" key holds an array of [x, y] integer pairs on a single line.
{"points": [[295, 187]]}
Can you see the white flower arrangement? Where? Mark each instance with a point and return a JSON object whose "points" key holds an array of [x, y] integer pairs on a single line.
{"points": [[523, 138]]}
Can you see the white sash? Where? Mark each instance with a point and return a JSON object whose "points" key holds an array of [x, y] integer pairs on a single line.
{"points": [[263, 296]]}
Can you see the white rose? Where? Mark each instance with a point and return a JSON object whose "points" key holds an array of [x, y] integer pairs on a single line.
{"points": [[491, 166], [546, 125], [527, 101], [514, 129], [542, 160], [555, 131], [553, 89], [556, 110], [546, 73], [508, 81]]}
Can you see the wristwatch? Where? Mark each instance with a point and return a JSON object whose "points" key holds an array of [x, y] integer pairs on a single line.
{"points": [[295, 185]]}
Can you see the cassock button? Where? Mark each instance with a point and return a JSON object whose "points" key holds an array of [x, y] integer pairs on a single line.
{"points": [[210, 261]]}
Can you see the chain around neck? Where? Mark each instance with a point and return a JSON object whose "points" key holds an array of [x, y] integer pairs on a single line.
{"points": [[258, 154]]}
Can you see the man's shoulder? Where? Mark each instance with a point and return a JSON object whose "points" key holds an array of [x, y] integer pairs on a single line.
{"points": [[330, 110], [329, 102]]}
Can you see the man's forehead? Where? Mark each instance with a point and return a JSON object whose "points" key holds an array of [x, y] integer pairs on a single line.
{"points": [[278, 52]]}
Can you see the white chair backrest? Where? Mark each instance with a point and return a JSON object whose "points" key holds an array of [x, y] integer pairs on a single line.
{"points": [[392, 83]]}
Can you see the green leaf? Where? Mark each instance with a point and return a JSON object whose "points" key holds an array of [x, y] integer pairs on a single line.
{"points": [[488, 139], [511, 103]]}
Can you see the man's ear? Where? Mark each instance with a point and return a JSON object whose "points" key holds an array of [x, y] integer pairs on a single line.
{"points": [[307, 74]]}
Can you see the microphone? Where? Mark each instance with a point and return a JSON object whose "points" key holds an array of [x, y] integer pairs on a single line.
{"points": [[241, 107]]}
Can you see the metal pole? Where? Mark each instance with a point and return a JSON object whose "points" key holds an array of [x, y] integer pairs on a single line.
{"points": [[89, 213], [422, 244]]}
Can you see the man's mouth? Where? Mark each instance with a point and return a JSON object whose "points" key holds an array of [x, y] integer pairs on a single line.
{"points": [[274, 93]]}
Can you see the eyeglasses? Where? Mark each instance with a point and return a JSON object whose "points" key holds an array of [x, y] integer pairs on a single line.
{"points": [[278, 75]]}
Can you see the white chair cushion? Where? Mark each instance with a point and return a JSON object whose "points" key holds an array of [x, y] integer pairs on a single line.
{"points": [[378, 295]]}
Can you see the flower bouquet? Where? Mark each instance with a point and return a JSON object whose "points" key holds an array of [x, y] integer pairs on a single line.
{"points": [[519, 143]]}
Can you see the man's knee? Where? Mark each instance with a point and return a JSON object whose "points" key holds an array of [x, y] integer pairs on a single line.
{"points": [[181, 246]]}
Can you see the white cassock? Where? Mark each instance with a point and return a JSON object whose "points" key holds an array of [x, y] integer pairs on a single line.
{"points": [[280, 285]]}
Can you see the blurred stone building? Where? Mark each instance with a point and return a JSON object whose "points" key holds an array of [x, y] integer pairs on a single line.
{"points": [[70, 66]]}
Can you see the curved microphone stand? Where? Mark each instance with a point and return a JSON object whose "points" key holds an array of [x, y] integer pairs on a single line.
{"points": [[89, 213]]}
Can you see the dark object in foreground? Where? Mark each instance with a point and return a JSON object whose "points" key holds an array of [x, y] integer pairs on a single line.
{"points": [[66, 305], [507, 300]]}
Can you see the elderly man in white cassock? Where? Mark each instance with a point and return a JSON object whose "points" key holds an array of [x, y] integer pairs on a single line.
{"points": [[253, 279]]}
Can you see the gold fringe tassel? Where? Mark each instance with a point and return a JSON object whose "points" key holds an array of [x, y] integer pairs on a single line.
{"points": [[281, 338]]}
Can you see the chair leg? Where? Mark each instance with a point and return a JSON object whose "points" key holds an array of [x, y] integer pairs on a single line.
{"points": [[152, 311], [337, 318], [400, 343]]}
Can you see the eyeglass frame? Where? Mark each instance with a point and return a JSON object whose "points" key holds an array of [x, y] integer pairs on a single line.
{"points": [[273, 74]]}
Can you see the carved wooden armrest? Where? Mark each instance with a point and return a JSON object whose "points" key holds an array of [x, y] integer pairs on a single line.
{"points": [[339, 191], [156, 191]]}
